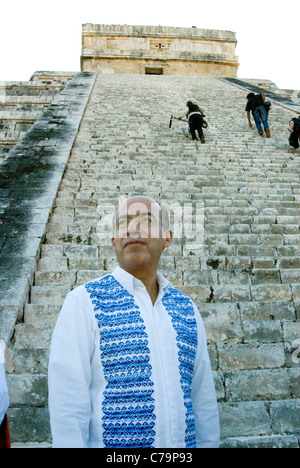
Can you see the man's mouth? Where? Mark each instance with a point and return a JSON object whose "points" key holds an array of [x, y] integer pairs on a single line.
{"points": [[133, 242]]}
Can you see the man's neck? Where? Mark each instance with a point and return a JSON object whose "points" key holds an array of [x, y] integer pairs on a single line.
{"points": [[149, 280]]}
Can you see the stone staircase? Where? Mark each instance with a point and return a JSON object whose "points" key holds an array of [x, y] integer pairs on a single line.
{"points": [[244, 277]]}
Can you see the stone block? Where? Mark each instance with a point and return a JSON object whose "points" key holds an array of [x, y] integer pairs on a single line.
{"points": [[29, 361], [251, 356], [288, 263], [285, 416], [262, 331], [29, 424], [57, 278], [257, 385], [231, 293], [234, 277], [291, 331], [267, 442], [244, 419], [270, 276], [49, 294], [219, 385], [8, 317], [53, 264], [267, 311], [83, 257], [33, 336], [296, 292], [40, 314], [27, 390], [290, 276], [295, 381], [213, 356], [276, 292]]}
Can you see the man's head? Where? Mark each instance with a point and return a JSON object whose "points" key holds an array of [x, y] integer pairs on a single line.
{"points": [[250, 96], [141, 233]]}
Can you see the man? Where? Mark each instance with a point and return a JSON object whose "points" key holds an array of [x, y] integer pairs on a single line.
{"points": [[195, 118], [4, 403], [294, 137], [256, 105], [128, 364]]}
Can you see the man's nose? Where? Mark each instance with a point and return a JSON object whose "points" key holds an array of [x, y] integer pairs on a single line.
{"points": [[133, 226]]}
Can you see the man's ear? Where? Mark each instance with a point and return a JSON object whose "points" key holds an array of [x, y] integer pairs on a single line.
{"points": [[113, 240], [168, 239]]}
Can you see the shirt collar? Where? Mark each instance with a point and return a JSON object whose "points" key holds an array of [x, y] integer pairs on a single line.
{"points": [[131, 283]]}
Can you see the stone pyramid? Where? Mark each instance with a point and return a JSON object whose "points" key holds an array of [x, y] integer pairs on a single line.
{"points": [[107, 136]]}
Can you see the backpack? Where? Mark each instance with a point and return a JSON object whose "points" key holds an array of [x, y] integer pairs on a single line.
{"points": [[294, 136], [267, 105], [296, 124]]}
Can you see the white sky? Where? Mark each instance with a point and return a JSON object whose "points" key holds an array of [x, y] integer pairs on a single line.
{"points": [[37, 35]]}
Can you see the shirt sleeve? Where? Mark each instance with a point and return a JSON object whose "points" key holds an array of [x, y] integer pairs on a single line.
{"points": [[69, 374], [4, 399], [204, 398]]}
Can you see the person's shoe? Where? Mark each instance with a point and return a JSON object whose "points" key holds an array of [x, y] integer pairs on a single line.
{"points": [[202, 140], [268, 134], [261, 133]]}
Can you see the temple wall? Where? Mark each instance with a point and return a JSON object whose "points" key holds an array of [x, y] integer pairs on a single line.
{"points": [[175, 51]]}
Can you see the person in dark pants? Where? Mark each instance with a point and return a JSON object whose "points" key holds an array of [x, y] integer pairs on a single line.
{"points": [[256, 105], [294, 137], [195, 118]]}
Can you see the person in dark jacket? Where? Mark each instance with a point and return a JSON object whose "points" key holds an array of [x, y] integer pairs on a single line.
{"points": [[195, 117], [256, 105], [294, 137]]}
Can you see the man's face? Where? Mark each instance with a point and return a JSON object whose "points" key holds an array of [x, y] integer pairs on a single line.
{"points": [[139, 237]]}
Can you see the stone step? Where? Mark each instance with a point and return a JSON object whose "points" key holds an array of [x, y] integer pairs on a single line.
{"points": [[49, 294], [259, 418], [210, 311], [248, 275], [256, 423], [270, 442], [36, 314], [35, 336], [221, 327]]}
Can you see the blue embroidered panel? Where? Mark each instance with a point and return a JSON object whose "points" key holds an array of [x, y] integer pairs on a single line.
{"points": [[128, 405], [181, 310]]}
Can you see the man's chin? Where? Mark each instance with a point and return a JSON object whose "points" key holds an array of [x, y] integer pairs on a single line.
{"points": [[135, 262]]}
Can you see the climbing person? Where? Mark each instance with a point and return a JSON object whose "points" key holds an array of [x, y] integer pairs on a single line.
{"points": [[195, 118], [294, 137], [256, 105]]}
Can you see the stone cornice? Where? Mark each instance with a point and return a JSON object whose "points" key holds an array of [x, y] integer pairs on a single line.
{"points": [[158, 31], [199, 58]]}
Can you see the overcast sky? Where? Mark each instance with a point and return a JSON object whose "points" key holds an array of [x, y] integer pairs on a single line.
{"points": [[36, 35]]}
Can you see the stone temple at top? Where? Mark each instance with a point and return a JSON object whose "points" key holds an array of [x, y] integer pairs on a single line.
{"points": [[159, 50]]}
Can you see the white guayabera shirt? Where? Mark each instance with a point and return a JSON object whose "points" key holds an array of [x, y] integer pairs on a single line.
{"points": [[124, 373], [4, 400]]}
